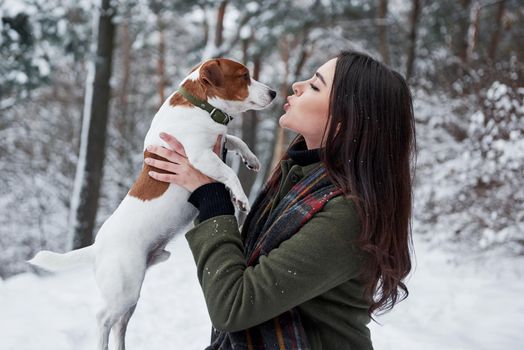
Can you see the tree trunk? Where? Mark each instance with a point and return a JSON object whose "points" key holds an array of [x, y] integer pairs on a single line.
{"points": [[92, 145], [460, 40], [280, 138], [205, 24], [220, 24], [474, 22], [161, 64], [249, 133], [278, 144], [383, 31], [126, 68], [412, 40], [495, 38], [304, 55]]}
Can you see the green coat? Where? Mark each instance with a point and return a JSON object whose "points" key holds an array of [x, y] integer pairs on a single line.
{"points": [[317, 270]]}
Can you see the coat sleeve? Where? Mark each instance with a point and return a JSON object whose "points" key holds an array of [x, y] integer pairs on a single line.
{"points": [[320, 256]]}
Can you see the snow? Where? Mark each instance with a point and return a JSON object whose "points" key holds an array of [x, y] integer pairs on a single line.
{"points": [[471, 302], [452, 166], [14, 7], [465, 303], [59, 311]]}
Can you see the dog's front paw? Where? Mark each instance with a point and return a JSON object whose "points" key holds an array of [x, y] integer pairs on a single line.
{"points": [[241, 202], [251, 161]]}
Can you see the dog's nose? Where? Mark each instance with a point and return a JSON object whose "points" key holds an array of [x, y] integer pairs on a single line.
{"points": [[272, 93]]}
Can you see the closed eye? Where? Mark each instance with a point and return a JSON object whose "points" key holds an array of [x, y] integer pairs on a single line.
{"points": [[314, 87]]}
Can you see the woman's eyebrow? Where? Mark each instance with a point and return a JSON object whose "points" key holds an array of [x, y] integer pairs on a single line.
{"points": [[321, 77]]}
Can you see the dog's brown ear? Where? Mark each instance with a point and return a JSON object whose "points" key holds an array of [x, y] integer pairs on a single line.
{"points": [[212, 74]]}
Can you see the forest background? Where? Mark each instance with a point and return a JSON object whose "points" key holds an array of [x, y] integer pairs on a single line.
{"points": [[463, 60]]}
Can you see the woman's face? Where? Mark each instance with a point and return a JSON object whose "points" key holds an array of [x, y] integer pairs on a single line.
{"points": [[307, 110]]}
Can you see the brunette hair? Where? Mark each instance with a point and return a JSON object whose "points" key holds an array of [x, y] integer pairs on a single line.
{"points": [[369, 158]]}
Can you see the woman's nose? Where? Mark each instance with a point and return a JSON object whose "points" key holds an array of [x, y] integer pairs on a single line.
{"points": [[296, 88]]}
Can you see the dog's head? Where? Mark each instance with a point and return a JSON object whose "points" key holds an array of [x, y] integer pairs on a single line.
{"points": [[227, 85]]}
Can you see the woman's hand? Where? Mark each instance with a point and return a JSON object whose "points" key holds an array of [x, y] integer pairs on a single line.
{"points": [[182, 172]]}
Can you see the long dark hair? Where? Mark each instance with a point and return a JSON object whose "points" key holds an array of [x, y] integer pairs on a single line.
{"points": [[370, 158]]}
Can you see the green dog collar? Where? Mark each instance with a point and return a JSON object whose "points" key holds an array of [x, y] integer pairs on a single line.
{"points": [[215, 113]]}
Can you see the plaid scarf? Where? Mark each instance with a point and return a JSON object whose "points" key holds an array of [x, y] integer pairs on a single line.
{"points": [[263, 231]]}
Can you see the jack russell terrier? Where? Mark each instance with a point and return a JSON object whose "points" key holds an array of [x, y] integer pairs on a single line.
{"points": [[135, 235]]}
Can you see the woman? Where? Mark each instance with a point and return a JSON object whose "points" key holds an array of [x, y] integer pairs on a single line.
{"points": [[327, 242]]}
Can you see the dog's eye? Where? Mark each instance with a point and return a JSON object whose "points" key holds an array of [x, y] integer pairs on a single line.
{"points": [[243, 76]]}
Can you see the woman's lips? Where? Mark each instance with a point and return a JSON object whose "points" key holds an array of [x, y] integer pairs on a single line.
{"points": [[287, 105]]}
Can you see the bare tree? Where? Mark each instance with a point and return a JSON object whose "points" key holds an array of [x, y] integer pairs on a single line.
{"points": [[92, 145], [473, 31], [383, 31], [278, 145], [412, 39], [219, 29], [222, 46], [460, 40], [126, 68], [249, 128], [495, 38], [285, 46], [161, 61]]}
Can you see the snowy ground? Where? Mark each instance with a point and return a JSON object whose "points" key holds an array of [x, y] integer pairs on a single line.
{"points": [[473, 305]]}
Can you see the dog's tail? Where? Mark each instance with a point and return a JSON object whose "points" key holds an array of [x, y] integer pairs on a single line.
{"points": [[60, 262]]}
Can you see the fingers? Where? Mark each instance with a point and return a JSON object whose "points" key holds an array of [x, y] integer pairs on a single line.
{"points": [[163, 177], [163, 165], [168, 154], [173, 142], [175, 158]]}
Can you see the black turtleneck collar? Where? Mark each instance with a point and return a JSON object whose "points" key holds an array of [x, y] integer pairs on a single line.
{"points": [[303, 156]]}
